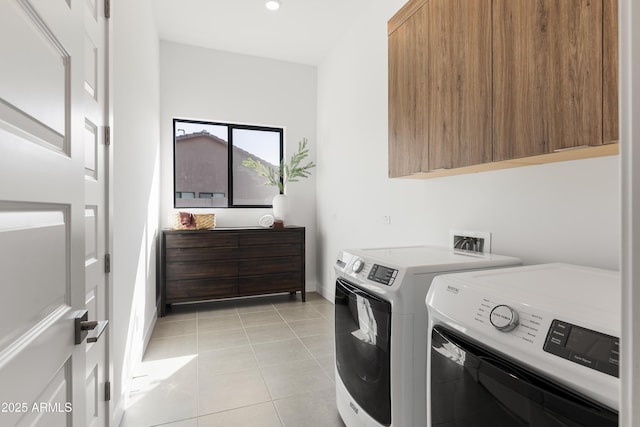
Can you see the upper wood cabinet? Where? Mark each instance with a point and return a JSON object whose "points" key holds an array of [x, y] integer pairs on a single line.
{"points": [[547, 76], [458, 88], [439, 87], [407, 66], [483, 82]]}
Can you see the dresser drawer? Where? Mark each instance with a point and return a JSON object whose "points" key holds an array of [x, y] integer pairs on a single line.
{"points": [[200, 240], [200, 289], [201, 254], [269, 283], [251, 267], [202, 269], [269, 251], [274, 237]]}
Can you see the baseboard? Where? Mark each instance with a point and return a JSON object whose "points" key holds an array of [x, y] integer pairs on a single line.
{"points": [[327, 294], [149, 332]]}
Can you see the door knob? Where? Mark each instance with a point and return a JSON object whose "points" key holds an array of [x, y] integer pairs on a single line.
{"points": [[83, 326]]}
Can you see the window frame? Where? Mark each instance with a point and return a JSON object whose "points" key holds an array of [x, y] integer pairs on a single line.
{"points": [[230, 127]]}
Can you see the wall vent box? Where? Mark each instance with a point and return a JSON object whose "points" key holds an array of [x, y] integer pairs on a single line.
{"points": [[470, 242]]}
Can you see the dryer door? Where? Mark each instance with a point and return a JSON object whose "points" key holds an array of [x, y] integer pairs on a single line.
{"points": [[363, 339], [473, 386]]}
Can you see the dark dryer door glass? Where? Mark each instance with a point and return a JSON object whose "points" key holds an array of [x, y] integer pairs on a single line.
{"points": [[363, 338], [473, 387]]}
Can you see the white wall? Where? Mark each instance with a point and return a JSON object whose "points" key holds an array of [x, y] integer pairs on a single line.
{"points": [[566, 212], [204, 84], [135, 165]]}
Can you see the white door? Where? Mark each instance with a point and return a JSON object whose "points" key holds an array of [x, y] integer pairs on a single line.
{"points": [[96, 187], [43, 213]]}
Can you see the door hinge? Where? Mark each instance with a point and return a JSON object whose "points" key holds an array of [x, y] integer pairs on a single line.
{"points": [[107, 135], [107, 390], [107, 263], [107, 9]]}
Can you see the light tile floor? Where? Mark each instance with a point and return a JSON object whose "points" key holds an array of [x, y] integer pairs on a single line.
{"points": [[266, 361]]}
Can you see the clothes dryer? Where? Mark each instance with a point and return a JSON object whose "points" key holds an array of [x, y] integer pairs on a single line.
{"points": [[380, 329]]}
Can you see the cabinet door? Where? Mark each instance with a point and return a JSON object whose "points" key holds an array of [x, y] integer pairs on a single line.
{"points": [[407, 137], [547, 73], [458, 81], [610, 72]]}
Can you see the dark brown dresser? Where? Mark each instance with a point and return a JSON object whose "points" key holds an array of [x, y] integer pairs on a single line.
{"points": [[199, 265]]}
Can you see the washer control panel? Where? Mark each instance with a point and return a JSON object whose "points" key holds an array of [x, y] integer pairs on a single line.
{"points": [[364, 269], [381, 274], [523, 323], [592, 349], [357, 266], [504, 318]]}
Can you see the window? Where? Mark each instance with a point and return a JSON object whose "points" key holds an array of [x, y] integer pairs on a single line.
{"points": [[207, 164], [185, 194], [210, 195]]}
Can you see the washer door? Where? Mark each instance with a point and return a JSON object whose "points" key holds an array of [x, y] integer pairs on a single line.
{"points": [[363, 339], [472, 386]]}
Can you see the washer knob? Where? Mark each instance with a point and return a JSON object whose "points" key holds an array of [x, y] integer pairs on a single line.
{"points": [[357, 266], [504, 318]]}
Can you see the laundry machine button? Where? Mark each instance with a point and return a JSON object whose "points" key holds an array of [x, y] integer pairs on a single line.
{"points": [[504, 318]]}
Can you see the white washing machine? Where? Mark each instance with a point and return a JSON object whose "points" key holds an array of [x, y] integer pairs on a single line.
{"points": [[526, 346], [381, 325]]}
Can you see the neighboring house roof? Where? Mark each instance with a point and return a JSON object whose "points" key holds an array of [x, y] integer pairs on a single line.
{"points": [[214, 138]]}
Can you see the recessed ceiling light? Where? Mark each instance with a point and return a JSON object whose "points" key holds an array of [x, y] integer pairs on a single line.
{"points": [[272, 4]]}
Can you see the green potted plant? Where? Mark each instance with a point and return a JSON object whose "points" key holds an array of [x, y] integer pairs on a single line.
{"points": [[286, 173]]}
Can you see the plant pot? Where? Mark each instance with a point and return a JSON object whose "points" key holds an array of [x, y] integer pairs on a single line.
{"points": [[280, 207]]}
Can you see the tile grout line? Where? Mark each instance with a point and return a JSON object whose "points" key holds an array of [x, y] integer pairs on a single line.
{"points": [[303, 345], [275, 408]]}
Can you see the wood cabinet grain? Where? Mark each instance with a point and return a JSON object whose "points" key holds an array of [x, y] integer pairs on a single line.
{"points": [[407, 97], [547, 74], [458, 79], [199, 265], [497, 82], [440, 87], [611, 121]]}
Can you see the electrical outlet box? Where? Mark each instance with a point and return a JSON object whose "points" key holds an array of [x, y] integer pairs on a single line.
{"points": [[471, 242]]}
